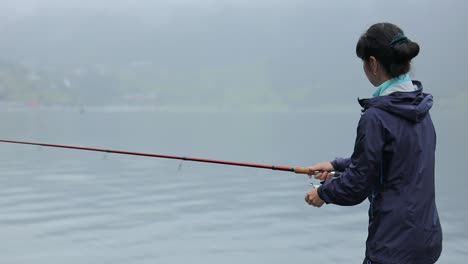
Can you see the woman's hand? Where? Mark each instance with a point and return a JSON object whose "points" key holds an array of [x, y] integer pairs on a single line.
{"points": [[313, 198], [323, 168]]}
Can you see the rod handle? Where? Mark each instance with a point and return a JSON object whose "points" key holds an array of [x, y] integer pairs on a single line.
{"points": [[301, 170]]}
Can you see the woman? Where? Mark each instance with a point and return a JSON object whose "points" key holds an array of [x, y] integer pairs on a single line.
{"points": [[393, 160]]}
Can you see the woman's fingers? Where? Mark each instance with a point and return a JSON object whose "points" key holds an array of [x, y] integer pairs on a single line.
{"points": [[319, 169], [323, 175]]}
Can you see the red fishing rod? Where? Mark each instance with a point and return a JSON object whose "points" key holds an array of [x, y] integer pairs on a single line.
{"points": [[303, 170]]}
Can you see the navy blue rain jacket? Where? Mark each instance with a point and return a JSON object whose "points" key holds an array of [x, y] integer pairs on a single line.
{"points": [[393, 166]]}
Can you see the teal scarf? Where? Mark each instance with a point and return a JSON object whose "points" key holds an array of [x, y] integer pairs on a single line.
{"points": [[397, 80]]}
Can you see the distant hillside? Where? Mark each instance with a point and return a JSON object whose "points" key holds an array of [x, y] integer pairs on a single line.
{"points": [[22, 84], [143, 83], [221, 55]]}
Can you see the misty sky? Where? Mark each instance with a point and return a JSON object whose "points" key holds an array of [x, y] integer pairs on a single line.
{"points": [[303, 41]]}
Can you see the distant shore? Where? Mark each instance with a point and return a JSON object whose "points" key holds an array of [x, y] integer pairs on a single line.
{"points": [[14, 106]]}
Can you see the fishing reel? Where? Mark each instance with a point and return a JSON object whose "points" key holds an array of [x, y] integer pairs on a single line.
{"points": [[334, 174]]}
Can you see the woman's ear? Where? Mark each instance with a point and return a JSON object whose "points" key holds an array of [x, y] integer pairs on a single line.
{"points": [[373, 65]]}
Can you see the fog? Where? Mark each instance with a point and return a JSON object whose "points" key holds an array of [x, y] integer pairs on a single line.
{"points": [[225, 54]]}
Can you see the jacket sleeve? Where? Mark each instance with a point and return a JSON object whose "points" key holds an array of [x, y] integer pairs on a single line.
{"points": [[356, 182], [340, 164]]}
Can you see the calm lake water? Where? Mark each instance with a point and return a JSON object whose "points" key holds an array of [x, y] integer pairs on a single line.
{"points": [[69, 206]]}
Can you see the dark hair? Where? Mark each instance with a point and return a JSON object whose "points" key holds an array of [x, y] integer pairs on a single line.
{"points": [[388, 44]]}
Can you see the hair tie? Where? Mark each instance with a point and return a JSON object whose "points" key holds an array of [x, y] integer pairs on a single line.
{"points": [[399, 38]]}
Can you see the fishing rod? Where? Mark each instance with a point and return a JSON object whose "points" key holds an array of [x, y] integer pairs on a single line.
{"points": [[301, 170]]}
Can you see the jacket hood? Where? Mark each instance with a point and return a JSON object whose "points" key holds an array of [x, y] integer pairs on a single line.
{"points": [[413, 106]]}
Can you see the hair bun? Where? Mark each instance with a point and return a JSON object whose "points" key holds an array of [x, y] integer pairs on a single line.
{"points": [[404, 52]]}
